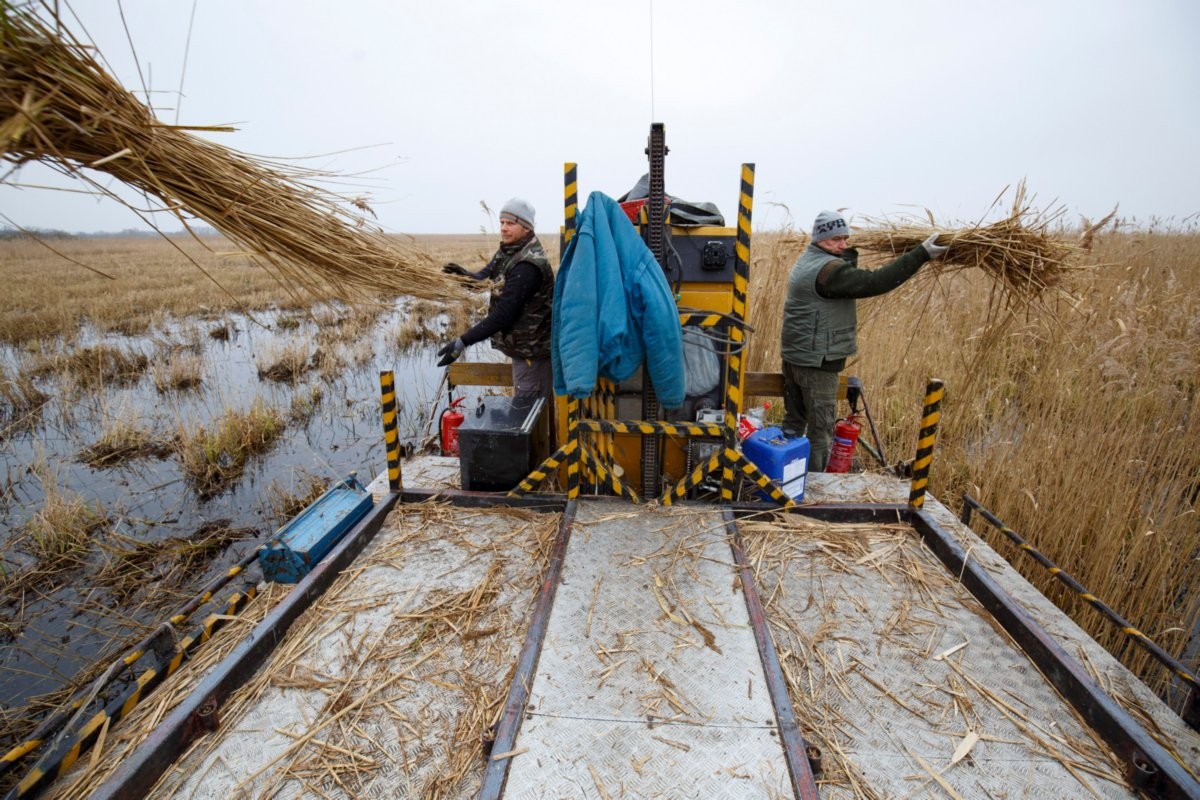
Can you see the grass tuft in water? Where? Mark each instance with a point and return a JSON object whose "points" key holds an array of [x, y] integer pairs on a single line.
{"points": [[287, 503], [131, 564], [213, 459], [178, 372], [60, 533], [123, 440], [20, 399], [305, 403], [285, 362], [96, 366]]}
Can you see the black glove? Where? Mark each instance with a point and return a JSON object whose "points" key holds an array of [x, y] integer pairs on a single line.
{"points": [[454, 269], [449, 352]]}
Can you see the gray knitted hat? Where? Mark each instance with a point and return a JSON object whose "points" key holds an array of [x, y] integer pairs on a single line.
{"points": [[519, 211], [829, 224]]}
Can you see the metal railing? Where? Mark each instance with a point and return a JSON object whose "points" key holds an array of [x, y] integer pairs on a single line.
{"points": [[1180, 671]]}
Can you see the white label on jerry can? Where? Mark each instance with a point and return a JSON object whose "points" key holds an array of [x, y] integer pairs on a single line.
{"points": [[794, 489], [795, 469]]}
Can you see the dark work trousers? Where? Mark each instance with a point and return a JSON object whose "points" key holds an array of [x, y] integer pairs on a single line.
{"points": [[810, 408], [533, 377]]}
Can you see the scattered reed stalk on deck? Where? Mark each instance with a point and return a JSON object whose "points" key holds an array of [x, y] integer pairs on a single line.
{"points": [[456, 639], [59, 106], [1019, 253], [824, 656]]}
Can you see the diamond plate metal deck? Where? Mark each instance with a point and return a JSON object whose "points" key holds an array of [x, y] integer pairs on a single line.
{"points": [[649, 682], [629, 697], [891, 664], [376, 639]]}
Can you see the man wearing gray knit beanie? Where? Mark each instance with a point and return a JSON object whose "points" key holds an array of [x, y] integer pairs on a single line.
{"points": [[518, 318], [820, 324]]}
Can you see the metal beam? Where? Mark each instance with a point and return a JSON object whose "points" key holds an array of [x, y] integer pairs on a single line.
{"points": [[795, 750], [496, 772]]}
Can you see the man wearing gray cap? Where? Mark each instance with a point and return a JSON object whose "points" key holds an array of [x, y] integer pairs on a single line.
{"points": [[518, 319], [820, 324]]}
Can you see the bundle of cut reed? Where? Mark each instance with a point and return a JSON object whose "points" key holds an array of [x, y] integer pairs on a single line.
{"points": [[1019, 252], [59, 106]]}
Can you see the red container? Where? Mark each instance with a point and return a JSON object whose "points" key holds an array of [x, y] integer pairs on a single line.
{"points": [[845, 438], [632, 208], [452, 418]]}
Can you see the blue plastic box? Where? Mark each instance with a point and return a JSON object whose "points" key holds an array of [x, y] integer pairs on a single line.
{"points": [[312, 533], [784, 461]]}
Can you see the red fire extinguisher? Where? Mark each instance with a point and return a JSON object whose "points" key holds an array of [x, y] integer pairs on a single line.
{"points": [[845, 438], [451, 419]]}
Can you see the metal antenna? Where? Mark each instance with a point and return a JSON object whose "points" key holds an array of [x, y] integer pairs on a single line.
{"points": [[187, 46], [651, 60]]}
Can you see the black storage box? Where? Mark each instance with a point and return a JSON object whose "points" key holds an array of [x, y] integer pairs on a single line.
{"points": [[496, 447]]}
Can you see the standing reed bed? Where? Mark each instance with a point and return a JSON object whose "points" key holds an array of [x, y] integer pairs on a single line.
{"points": [[51, 296], [1076, 420], [59, 106], [127, 281]]}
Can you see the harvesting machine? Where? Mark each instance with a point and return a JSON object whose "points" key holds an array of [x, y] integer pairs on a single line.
{"points": [[645, 612]]}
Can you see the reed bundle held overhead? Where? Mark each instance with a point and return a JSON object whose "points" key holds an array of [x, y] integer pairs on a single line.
{"points": [[1019, 252], [59, 106]]}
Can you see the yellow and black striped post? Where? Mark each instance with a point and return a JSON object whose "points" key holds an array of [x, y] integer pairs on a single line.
{"points": [[543, 470], [735, 364], [692, 479], [607, 478], [573, 455], [570, 201], [391, 431], [587, 411], [930, 415], [760, 478], [607, 411]]}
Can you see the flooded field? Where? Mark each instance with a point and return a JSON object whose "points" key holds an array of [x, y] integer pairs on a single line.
{"points": [[137, 468]]}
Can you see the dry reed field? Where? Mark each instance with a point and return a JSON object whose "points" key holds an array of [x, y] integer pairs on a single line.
{"points": [[129, 284], [1075, 418], [126, 284]]}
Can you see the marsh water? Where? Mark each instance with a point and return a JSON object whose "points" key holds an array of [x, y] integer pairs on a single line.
{"points": [[57, 628]]}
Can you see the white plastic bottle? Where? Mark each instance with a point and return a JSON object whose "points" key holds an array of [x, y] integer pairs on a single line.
{"points": [[759, 415], [755, 419]]}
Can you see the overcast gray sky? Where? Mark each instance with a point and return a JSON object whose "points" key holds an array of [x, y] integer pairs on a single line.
{"points": [[877, 106]]}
